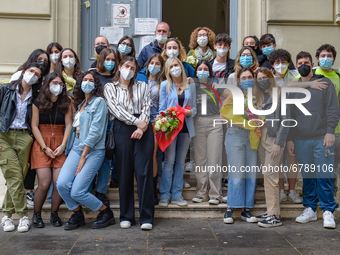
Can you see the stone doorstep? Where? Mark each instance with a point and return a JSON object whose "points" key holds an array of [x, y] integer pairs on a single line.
{"points": [[193, 210]]}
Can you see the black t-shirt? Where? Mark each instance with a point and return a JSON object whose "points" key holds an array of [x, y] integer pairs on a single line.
{"points": [[105, 78], [51, 118], [181, 102]]}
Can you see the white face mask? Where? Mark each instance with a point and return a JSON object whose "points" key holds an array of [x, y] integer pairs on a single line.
{"points": [[222, 51], [176, 71], [56, 89], [30, 78], [54, 58], [172, 53], [161, 38], [69, 62], [202, 41], [281, 68], [127, 74]]}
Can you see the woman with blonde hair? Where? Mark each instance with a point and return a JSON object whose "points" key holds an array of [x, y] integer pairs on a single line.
{"points": [[176, 91], [246, 58], [174, 49], [202, 45], [272, 143]]}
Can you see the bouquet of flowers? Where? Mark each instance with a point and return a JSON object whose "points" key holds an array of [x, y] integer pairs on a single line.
{"points": [[167, 125], [192, 61]]}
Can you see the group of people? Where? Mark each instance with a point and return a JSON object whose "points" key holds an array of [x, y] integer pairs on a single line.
{"points": [[56, 117]]}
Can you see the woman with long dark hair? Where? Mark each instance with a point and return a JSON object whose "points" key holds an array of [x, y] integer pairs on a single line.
{"points": [[125, 47], [68, 65], [52, 113], [272, 143], [16, 139], [54, 50], [129, 104], [153, 75], [86, 153]]}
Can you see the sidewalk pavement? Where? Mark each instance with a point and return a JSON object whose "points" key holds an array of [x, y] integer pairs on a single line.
{"points": [[177, 236]]}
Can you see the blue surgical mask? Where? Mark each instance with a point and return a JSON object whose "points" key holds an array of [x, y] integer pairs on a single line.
{"points": [[109, 65], [203, 75], [124, 49], [87, 86], [246, 61], [247, 84], [266, 51], [153, 69], [326, 63]]}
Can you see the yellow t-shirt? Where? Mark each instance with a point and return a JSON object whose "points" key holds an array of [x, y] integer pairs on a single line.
{"points": [[335, 79]]}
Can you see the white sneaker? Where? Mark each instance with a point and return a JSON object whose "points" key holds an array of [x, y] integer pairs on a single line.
{"points": [[146, 226], [307, 216], [7, 224], [283, 196], [214, 201], [189, 166], [328, 220], [125, 224], [24, 224], [186, 184], [225, 199], [294, 197], [180, 202]]}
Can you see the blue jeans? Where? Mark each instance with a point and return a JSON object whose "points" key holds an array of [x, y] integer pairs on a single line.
{"points": [[241, 180], [171, 186], [317, 184], [74, 189]]}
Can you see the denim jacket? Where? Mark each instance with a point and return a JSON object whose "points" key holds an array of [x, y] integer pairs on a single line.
{"points": [[167, 100], [93, 124]]}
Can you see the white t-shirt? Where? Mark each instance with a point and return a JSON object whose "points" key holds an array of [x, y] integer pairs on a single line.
{"points": [[290, 75], [219, 70]]}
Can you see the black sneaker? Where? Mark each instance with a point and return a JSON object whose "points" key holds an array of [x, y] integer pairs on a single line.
{"points": [[77, 220], [104, 219], [30, 197], [228, 217], [55, 220], [37, 221], [114, 183], [262, 217], [270, 222], [225, 181], [103, 198], [247, 216]]}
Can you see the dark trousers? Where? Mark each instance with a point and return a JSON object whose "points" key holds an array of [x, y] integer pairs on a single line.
{"points": [[134, 156], [30, 179]]}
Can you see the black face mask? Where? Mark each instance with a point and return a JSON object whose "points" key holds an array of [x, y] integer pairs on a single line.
{"points": [[100, 48], [43, 65], [264, 84], [304, 70], [253, 48]]}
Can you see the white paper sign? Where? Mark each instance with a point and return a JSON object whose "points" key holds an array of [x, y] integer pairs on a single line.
{"points": [[145, 40], [145, 26], [113, 34], [121, 15]]}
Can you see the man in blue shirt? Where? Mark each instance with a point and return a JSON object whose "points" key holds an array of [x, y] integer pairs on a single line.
{"points": [[162, 33]]}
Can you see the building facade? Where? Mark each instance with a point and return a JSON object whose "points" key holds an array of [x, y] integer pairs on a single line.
{"points": [[28, 25]]}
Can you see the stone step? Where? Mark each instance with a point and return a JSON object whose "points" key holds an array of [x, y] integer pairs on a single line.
{"points": [[190, 193], [192, 210]]}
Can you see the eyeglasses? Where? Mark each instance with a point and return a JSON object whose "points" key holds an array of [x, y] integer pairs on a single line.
{"points": [[57, 83], [262, 78]]}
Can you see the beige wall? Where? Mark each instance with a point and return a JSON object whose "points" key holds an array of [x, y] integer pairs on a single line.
{"points": [[296, 25], [28, 25]]}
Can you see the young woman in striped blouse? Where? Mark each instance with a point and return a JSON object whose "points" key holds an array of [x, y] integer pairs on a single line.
{"points": [[129, 104]]}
